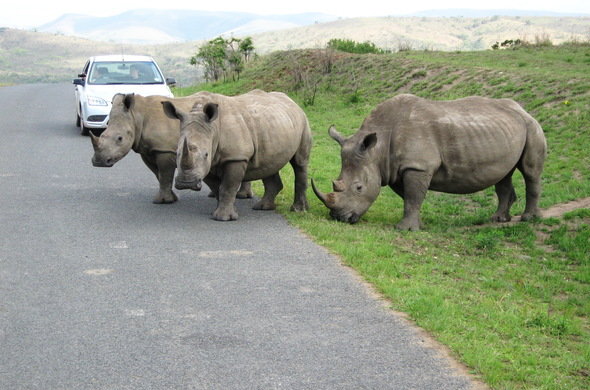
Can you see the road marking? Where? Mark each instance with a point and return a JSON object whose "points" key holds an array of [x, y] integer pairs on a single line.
{"points": [[99, 271], [135, 312], [119, 245], [220, 254]]}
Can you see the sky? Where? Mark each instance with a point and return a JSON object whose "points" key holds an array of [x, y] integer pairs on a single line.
{"points": [[28, 14]]}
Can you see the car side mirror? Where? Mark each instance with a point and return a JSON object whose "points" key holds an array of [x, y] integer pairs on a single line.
{"points": [[78, 82], [170, 81]]}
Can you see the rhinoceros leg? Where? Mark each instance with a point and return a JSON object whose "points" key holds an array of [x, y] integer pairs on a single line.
{"points": [[166, 164], [533, 192], [300, 197], [163, 166], [531, 166], [245, 191], [272, 186], [213, 184], [415, 186], [506, 197], [233, 174]]}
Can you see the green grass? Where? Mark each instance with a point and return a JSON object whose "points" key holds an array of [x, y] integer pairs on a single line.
{"points": [[511, 302]]}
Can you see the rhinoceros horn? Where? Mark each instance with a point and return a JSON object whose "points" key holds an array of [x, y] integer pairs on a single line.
{"points": [[338, 186], [327, 200], [336, 135], [186, 161], [94, 140]]}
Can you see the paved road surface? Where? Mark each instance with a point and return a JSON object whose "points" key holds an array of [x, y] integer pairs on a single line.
{"points": [[101, 289]]}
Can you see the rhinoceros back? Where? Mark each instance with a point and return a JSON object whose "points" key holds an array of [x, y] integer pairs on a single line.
{"points": [[265, 129], [467, 144]]}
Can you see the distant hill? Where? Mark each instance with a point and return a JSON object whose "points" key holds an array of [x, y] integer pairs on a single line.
{"points": [[150, 26], [27, 56], [483, 13], [429, 33], [37, 57]]}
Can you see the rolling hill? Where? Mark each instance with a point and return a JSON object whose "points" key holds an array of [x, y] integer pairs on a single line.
{"points": [[150, 26], [430, 33], [35, 56]]}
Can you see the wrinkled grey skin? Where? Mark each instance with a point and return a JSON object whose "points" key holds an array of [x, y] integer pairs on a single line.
{"points": [[137, 123], [461, 146], [242, 138]]}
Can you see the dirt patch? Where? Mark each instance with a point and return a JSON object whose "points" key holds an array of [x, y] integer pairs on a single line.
{"points": [[555, 211], [559, 210]]}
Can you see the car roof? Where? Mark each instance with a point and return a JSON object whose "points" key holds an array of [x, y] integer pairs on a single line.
{"points": [[120, 57]]}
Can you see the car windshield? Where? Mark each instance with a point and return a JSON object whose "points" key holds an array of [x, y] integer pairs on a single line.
{"points": [[124, 72]]}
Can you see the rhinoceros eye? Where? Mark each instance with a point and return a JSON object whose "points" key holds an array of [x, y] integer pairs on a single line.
{"points": [[120, 139], [358, 187]]}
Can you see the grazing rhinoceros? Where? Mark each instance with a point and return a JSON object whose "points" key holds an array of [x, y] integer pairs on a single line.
{"points": [[138, 123], [460, 146], [245, 137]]}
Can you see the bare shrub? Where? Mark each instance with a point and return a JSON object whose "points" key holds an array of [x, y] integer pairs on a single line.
{"points": [[310, 84], [543, 40], [404, 45], [327, 58]]}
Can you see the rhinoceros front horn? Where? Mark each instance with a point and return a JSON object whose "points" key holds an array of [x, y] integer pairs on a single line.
{"points": [[94, 140], [185, 160], [321, 196]]}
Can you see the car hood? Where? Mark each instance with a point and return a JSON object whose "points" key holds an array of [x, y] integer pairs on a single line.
{"points": [[107, 92]]}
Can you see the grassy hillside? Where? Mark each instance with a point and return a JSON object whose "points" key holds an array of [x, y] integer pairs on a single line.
{"points": [[511, 300]]}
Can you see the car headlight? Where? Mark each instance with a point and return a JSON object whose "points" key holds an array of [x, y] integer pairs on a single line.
{"points": [[96, 101]]}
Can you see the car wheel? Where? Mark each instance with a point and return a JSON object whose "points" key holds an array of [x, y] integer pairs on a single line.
{"points": [[83, 129], [77, 120]]}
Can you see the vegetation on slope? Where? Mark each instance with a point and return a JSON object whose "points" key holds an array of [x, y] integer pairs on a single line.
{"points": [[510, 300]]}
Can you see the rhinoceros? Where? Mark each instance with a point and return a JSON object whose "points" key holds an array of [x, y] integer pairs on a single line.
{"points": [[246, 137], [137, 122], [461, 146]]}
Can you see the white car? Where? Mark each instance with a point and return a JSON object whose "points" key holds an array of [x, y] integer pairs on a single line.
{"points": [[105, 76]]}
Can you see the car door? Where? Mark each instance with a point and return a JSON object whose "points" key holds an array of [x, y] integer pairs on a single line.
{"points": [[79, 91]]}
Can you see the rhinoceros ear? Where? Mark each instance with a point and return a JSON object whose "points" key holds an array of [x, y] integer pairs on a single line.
{"points": [[171, 111], [369, 141], [129, 101], [211, 110], [336, 135]]}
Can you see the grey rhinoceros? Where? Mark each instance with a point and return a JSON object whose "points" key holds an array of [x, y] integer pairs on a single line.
{"points": [[246, 137], [460, 146], [137, 123]]}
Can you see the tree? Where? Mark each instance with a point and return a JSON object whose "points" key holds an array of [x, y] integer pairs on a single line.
{"points": [[233, 56], [212, 56], [246, 48], [222, 56]]}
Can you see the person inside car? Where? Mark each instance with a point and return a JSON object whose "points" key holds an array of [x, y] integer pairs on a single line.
{"points": [[100, 74]]}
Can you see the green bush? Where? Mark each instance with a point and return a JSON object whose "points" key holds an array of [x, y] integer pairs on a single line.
{"points": [[350, 46]]}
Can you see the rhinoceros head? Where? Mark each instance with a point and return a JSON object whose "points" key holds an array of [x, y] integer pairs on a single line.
{"points": [[359, 182], [196, 143], [116, 141]]}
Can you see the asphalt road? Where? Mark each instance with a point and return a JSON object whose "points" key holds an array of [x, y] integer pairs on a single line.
{"points": [[101, 289]]}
